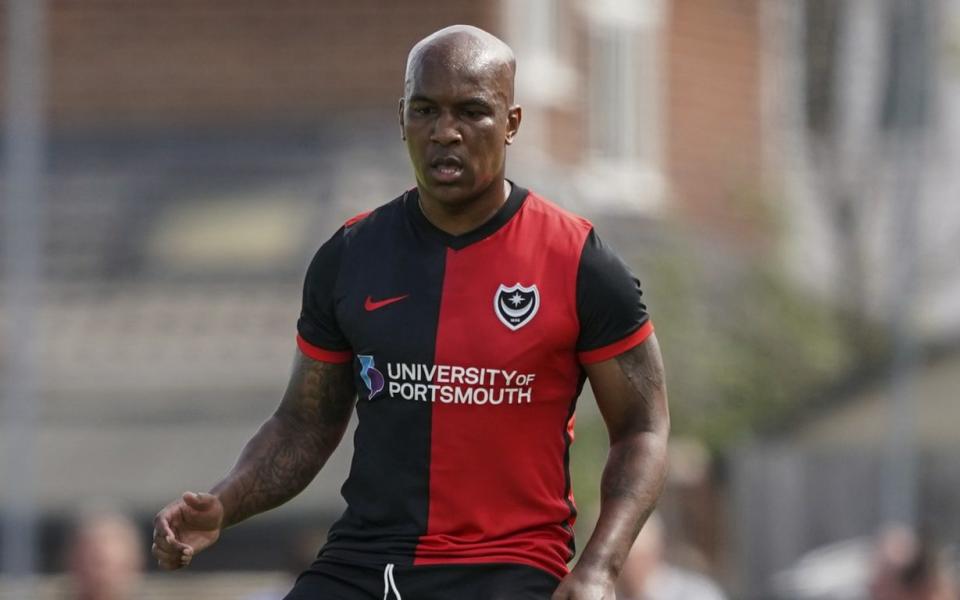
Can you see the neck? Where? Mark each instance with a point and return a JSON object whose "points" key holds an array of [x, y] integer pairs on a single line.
{"points": [[467, 216]]}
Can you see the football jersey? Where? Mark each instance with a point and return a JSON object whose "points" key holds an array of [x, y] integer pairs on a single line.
{"points": [[468, 354]]}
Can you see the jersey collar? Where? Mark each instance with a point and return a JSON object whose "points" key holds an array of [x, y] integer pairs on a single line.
{"points": [[459, 242]]}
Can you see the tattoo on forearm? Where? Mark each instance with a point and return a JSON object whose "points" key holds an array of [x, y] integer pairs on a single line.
{"points": [[635, 468], [291, 447], [638, 420], [620, 477]]}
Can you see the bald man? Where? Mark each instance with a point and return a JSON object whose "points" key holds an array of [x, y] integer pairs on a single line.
{"points": [[105, 559], [646, 574], [460, 320]]}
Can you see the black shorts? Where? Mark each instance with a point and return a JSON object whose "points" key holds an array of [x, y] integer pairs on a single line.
{"points": [[501, 581]]}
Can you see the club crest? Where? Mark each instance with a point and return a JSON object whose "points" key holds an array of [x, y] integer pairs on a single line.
{"points": [[515, 306]]}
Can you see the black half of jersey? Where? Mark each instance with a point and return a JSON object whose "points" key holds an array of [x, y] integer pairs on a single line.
{"points": [[609, 299]]}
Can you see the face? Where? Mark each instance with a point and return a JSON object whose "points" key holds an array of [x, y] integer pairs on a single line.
{"points": [[106, 560], [456, 120]]}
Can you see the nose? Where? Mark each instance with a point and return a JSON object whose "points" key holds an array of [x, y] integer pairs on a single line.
{"points": [[445, 130]]}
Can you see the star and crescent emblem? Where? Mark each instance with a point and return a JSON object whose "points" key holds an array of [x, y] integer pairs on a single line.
{"points": [[516, 305]]}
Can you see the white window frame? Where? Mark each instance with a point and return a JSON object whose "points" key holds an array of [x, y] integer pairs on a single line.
{"points": [[624, 84]]}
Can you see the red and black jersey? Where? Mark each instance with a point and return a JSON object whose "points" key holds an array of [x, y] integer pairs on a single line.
{"points": [[468, 354]]}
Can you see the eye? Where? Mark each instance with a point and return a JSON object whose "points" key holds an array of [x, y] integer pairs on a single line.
{"points": [[473, 113], [422, 110]]}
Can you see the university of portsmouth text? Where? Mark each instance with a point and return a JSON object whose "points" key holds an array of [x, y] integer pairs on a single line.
{"points": [[448, 394], [454, 384]]}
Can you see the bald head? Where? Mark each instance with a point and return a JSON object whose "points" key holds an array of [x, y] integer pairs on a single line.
{"points": [[105, 558], [457, 117], [463, 49]]}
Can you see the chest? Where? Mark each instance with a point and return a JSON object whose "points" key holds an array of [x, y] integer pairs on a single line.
{"points": [[495, 304]]}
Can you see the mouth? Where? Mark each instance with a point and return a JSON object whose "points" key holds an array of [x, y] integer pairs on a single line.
{"points": [[446, 169]]}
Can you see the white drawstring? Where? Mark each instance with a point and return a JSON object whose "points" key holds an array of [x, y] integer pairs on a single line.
{"points": [[389, 583], [386, 581]]}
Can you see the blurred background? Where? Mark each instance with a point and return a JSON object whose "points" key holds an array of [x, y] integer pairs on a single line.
{"points": [[778, 173]]}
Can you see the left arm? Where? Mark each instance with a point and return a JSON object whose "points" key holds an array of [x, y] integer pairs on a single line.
{"points": [[632, 398]]}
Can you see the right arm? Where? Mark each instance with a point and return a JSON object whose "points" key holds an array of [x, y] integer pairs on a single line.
{"points": [[279, 461], [291, 447]]}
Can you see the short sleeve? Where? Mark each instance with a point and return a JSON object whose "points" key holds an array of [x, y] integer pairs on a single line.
{"points": [[613, 318], [318, 333]]}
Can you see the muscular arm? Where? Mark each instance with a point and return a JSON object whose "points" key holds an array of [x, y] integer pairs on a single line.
{"points": [[275, 465], [632, 397], [293, 444]]}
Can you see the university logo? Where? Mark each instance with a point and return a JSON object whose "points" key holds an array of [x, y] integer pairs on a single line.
{"points": [[371, 377], [515, 306]]}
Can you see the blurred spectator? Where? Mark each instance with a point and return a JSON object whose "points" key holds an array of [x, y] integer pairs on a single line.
{"points": [[907, 568], [647, 576], [105, 559], [299, 554]]}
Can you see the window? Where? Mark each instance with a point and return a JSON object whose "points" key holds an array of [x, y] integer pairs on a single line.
{"points": [[623, 103]]}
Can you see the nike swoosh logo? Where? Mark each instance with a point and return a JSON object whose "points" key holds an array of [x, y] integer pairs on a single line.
{"points": [[370, 304]]}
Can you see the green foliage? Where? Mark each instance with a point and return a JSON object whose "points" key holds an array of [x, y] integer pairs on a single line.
{"points": [[588, 455], [742, 346]]}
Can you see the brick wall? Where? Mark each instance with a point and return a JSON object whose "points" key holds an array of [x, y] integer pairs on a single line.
{"points": [[713, 109], [191, 61], [210, 62]]}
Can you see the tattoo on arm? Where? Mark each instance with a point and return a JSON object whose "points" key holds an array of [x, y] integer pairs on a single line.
{"points": [[632, 397], [290, 448], [643, 369]]}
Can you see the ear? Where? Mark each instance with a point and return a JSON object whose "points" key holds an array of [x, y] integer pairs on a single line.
{"points": [[400, 114], [514, 115]]}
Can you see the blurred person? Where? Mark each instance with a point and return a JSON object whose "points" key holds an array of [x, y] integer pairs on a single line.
{"points": [[466, 314], [300, 551], [104, 559], [908, 568], [647, 576]]}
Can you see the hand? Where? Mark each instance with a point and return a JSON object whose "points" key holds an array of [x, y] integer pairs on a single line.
{"points": [[585, 585], [185, 527]]}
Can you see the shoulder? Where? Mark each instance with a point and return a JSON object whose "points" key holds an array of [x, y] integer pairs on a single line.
{"points": [[557, 216], [556, 227], [384, 215], [327, 258]]}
